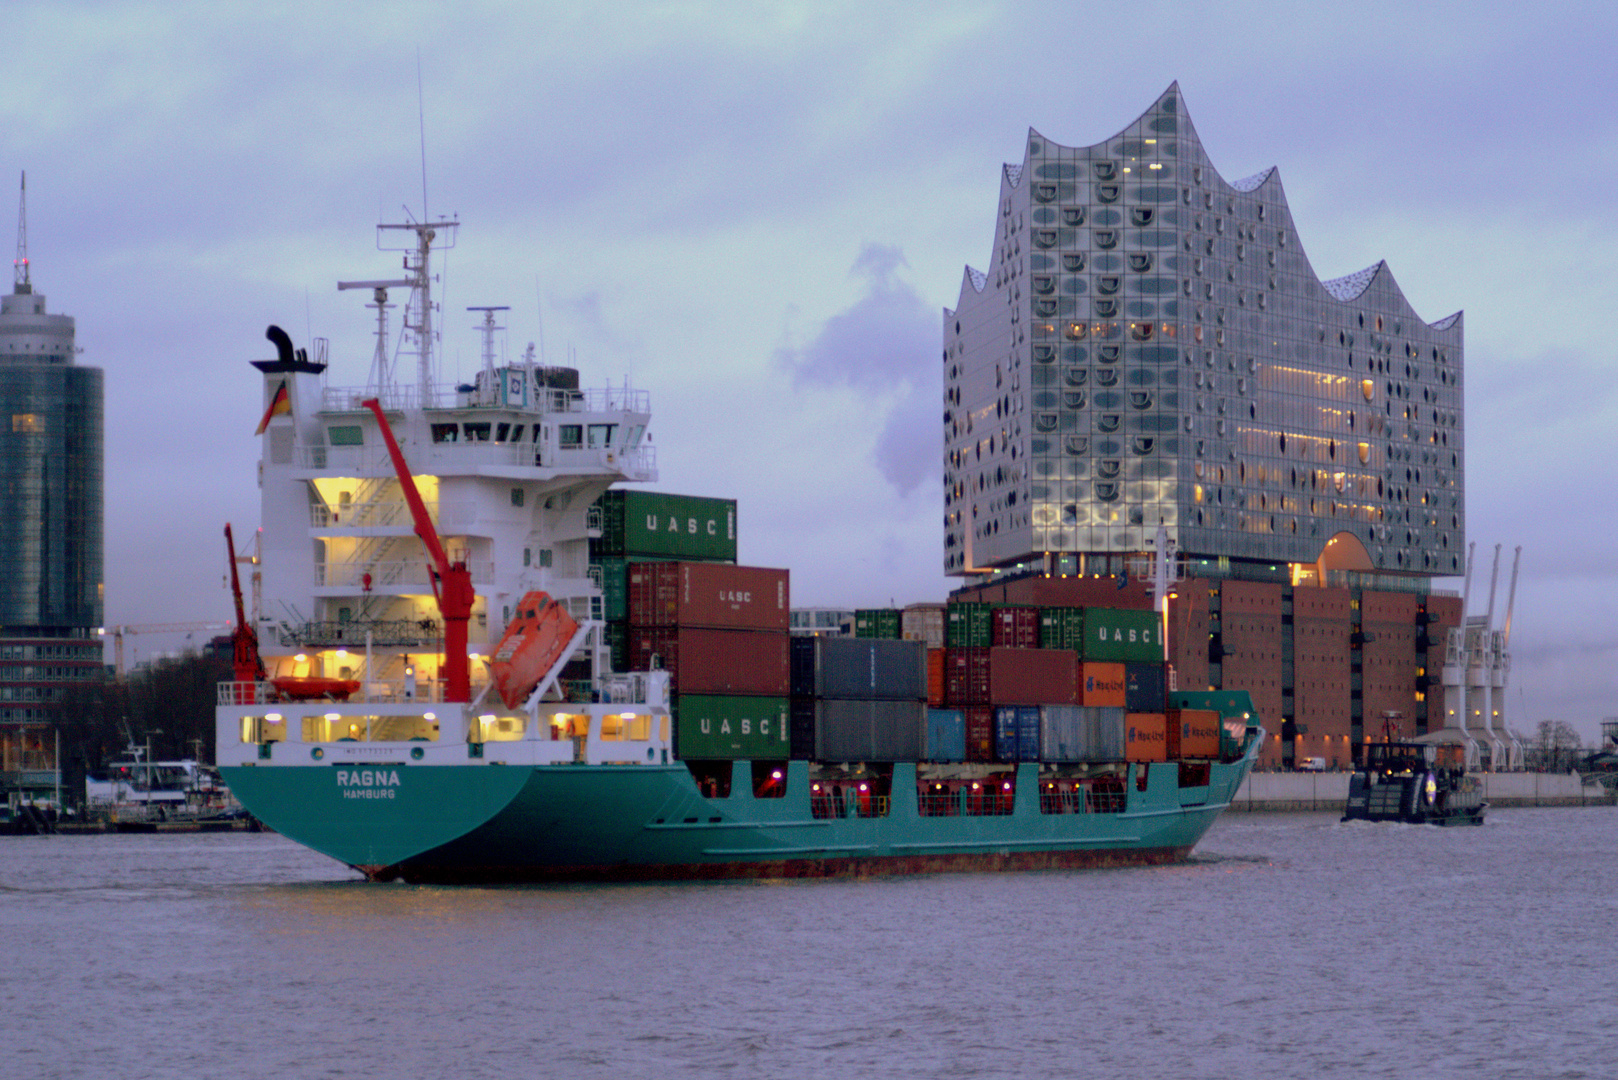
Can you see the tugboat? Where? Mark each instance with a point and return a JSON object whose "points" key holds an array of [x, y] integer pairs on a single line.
{"points": [[1414, 783]]}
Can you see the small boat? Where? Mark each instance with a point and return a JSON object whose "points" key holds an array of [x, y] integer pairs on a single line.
{"points": [[1414, 783]]}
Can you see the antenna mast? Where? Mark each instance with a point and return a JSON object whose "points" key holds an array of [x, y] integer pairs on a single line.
{"points": [[23, 286], [488, 327]]}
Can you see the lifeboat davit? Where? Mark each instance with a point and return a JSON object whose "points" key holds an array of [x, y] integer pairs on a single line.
{"points": [[534, 641]]}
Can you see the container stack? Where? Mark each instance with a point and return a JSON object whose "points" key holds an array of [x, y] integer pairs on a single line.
{"points": [[651, 526], [859, 699], [722, 634]]}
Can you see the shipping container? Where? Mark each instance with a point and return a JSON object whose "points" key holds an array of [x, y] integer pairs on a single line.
{"points": [[1014, 627], [870, 730], [704, 661], [935, 677], [613, 573], [966, 676], [1016, 732], [708, 594], [652, 523], [1144, 688], [1061, 628], [979, 732], [968, 626], [1193, 733], [877, 623], [1081, 733], [801, 666], [617, 638], [870, 668], [802, 728], [1102, 683], [727, 726], [1125, 635], [925, 623], [1146, 737], [1033, 677], [946, 735]]}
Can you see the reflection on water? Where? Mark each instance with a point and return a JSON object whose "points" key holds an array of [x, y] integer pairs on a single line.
{"points": [[1289, 945]]}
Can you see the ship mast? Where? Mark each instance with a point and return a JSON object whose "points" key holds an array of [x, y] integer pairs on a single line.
{"points": [[418, 315]]}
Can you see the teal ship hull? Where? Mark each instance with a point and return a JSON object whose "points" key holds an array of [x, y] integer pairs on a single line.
{"points": [[492, 823]]}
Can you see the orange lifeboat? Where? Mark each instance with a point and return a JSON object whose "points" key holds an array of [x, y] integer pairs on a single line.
{"points": [[314, 688], [534, 641]]}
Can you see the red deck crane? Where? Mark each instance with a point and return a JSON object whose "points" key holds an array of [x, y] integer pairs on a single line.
{"points": [[244, 640], [451, 581]]}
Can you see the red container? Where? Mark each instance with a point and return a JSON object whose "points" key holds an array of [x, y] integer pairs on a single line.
{"points": [[705, 661], [1193, 733], [1033, 677], [708, 594], [1015, 627], [966, 676], [979, 732], [1101, 684], [935, 677]]}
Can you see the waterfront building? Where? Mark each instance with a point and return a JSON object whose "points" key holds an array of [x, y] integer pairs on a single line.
{"points": [[1150, 347], [51, 531]]}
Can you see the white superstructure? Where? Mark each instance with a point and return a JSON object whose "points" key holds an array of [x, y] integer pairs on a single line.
{"points": [[508, 467]]}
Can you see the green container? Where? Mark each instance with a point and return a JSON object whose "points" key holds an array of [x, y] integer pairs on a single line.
{"points": [[969, 625], [636, 524], [614, 587], [1061, 628], [1122, 635], [878, 623], [716, 726], [617, 635]]}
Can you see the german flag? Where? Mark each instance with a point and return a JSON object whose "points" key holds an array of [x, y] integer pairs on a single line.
{"points": [[279, 404]]}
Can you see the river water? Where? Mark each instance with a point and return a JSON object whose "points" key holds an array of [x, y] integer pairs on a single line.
{"points": [[1290, 946]]}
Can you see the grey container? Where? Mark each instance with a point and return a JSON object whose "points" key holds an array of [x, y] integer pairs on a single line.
{"points": [[1081, 733], [865, 730], [870, 668]]}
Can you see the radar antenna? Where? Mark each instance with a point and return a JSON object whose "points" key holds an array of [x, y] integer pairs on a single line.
{"points": [[23, 286]]}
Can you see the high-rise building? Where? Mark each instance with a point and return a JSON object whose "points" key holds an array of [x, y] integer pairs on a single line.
{"points": [[51, 529], [1150, 347]]}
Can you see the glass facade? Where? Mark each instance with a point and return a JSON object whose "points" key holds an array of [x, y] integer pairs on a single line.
{"points": [[51, 462], [1151, 346]]}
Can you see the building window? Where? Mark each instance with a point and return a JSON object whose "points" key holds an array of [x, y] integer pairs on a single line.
{"points": [[516, 496], [27, 424]]}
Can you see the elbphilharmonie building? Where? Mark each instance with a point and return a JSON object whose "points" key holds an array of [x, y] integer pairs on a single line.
{"points": [[1150, 348], [1149, 345]]}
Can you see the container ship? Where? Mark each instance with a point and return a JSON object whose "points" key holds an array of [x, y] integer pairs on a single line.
{"points": [[475, 655]]}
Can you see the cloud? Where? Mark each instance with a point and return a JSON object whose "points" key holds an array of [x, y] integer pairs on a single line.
{"points": [[880, 346]]}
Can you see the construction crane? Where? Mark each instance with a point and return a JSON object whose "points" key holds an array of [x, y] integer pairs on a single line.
{"points": [[451, 581], [118, 633]]}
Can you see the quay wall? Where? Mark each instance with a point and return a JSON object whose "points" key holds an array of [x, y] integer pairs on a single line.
{"points": [[1329, 791]]}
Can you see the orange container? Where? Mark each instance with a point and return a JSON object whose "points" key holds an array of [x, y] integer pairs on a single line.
{"points": [[1193, 733], [1101, 684], [1146, 737], [935, 677]]}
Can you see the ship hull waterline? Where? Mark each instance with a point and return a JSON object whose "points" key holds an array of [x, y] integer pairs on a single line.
{"points": [[483, 823]]}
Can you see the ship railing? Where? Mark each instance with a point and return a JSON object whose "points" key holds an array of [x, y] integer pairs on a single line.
{"points": [[1061, 798], [401, 572], [637, 463], [547, 400], [376, 692], [355, 634], [830, 801], [373, 515], [965, 802]]}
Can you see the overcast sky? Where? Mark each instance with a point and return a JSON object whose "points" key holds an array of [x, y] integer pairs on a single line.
{"points": [[756, 212]]}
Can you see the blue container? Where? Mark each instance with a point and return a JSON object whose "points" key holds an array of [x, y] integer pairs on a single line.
{"points": [[1144, 688], [946, 735], [1016, 732]]}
